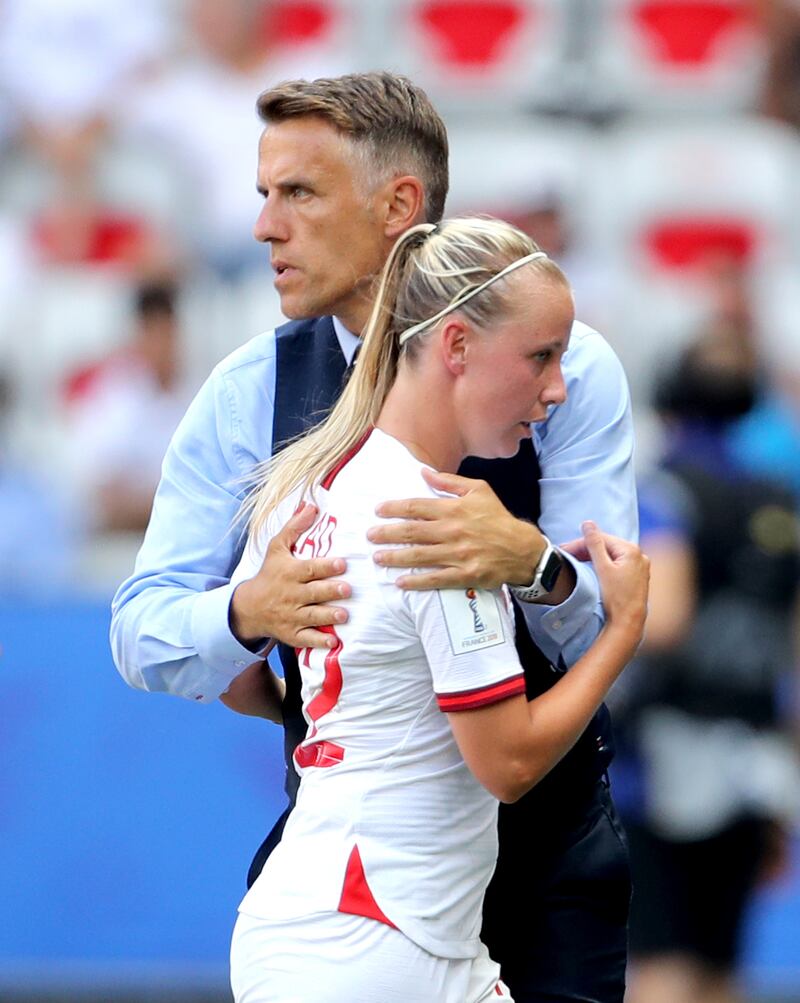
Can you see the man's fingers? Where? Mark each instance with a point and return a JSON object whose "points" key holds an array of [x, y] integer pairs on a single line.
{"points": [[415, 508], [323, 591], [411, 531], [320, 569], [414, 557], [302, 520], [310, 638], [438, 578], [321, 616]]}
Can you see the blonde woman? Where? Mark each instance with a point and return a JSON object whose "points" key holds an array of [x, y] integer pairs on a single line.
{"points": [[417, 718]]}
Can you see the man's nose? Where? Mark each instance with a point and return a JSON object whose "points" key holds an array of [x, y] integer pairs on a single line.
{"points": [[268, 225]]}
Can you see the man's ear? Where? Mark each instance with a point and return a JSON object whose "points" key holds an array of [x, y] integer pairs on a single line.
{"points": [[405, 205]]}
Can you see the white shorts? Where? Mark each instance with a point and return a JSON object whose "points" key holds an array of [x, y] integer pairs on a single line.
{"points": [[337, 958]]}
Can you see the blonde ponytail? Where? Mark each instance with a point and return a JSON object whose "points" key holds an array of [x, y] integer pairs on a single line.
{"points": [[305, 461]]}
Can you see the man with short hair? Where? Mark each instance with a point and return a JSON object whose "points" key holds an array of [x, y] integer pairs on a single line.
{"points": [[345, 167]]}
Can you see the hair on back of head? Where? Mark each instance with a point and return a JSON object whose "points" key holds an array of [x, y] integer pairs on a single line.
{"points": [[429, 268], [389, 120]]}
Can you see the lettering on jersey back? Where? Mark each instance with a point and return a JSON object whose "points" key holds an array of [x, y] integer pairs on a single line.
{"points": [[319, 539]]}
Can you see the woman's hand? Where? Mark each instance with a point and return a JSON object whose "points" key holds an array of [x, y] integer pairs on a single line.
{"points": [[257, 692], [624, 575]]}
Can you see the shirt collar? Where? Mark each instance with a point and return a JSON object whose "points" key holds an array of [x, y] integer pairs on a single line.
{"points": [[348, 342]]}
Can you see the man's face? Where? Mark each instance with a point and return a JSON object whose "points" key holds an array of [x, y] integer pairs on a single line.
{"points": [[324, 227], [513, 372]]}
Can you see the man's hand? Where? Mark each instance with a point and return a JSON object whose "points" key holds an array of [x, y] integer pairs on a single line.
{"points": [[469, 540], [288, 597]]}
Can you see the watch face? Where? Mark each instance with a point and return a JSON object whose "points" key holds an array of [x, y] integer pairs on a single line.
{"points": [[551, 571]]}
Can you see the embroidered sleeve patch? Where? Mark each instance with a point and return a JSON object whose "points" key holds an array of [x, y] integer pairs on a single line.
{"points": [[472, 618]]}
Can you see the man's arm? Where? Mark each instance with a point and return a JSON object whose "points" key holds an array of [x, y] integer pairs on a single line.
{"points": [[585, 450], [171, 630], [169, 627]]}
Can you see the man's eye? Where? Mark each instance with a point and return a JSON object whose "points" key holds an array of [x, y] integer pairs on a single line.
{"points": [[299, 192]]}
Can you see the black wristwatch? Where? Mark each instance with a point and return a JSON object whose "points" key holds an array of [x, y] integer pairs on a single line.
{"points": [[545, 575]]}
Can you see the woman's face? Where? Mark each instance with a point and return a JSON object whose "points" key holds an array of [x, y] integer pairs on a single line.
{"points": [[512, 373]]}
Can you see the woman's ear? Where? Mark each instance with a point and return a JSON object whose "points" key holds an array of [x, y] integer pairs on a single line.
{"points": [[454, 338]]}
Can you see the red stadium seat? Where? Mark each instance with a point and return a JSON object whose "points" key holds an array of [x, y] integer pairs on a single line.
{"points": [[322, 36], [675, 201], [686, 34], [471, 33], [685, 54], [491, 52], [679, 242], [296, 22]]}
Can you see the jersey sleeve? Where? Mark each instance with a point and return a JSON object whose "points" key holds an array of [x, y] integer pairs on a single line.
{"points": [[468, 639]]}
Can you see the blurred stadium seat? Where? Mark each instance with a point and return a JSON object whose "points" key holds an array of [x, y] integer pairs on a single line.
{"points": [[675, 199], [503, 166], [326, 28], [502, 54], [685, 55]]}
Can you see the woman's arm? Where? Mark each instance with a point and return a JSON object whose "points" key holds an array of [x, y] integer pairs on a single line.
{"points": [[511, 745], [257, 692]]}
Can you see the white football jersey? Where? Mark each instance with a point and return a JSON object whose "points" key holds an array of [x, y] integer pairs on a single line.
{"points": [[389, 822]]}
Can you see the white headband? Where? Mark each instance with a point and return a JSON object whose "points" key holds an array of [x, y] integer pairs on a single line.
{"points": [[467, 295]]}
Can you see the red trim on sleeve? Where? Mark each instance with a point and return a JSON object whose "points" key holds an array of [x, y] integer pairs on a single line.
{"points": [[357, 899], [470, 699], [330, 477]]}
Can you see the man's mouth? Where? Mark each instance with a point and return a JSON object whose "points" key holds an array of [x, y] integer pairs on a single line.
{"points": [[283, 273]]}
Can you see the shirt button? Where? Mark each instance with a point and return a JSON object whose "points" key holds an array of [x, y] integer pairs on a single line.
{"points": [[240, 664], [558, 624]]}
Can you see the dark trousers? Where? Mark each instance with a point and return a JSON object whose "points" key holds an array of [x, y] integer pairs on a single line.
{"points": [[556, 911]]}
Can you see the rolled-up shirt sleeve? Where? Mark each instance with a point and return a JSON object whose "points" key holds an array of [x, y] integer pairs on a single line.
{"points": [[585, 450]]}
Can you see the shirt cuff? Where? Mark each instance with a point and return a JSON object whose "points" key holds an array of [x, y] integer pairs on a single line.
{"points": [[578, 616], [218, 649]]}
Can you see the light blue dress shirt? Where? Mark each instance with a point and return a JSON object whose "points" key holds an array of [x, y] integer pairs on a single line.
{"points": [[170, 629]]}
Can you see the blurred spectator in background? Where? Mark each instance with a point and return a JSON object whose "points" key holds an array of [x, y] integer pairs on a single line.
{"points": [[706, 774], [201, 109], [122, 412], [766, 439], [37, 543], [64, 65], [547, 220], [781, 24]]}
